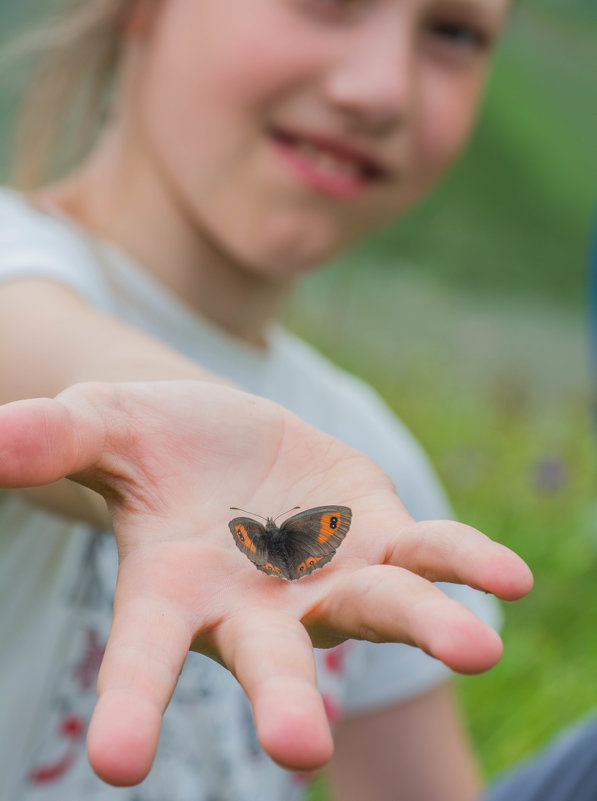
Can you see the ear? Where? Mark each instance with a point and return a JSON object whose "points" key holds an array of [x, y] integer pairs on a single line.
{"points": [[139, 16]]}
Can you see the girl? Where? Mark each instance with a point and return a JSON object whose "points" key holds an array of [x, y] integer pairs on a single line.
{"points": [[244, 144]]}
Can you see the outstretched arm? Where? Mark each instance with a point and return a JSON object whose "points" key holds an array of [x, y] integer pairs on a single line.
{"points": [[170, 457], [50, 339]]}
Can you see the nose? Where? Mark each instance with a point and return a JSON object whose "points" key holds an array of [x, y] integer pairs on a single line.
{"points": [[373, 81]]}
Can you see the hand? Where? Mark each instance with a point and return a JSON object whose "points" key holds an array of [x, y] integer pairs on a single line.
{"points": [[171, 458]]}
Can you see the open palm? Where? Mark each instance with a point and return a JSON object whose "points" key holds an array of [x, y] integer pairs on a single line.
{"points": [[171, 458]]}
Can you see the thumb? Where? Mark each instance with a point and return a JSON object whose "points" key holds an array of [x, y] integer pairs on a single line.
{"points": [[43, 440]]}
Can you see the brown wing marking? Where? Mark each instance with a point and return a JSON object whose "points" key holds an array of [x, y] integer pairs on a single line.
{"points": [[249, 536]]}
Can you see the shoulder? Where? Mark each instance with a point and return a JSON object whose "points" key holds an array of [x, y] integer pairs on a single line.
{"points": [[337, 391], [20, 220], [35, 244], [350, 410]]}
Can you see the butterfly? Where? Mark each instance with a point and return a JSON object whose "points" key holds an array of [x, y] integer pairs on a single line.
{"points": [[302, 544]]}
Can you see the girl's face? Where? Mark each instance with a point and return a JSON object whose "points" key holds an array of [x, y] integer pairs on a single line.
{"points": [[286, 129]]}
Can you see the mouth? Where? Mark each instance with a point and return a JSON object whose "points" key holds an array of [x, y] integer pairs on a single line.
{"points": [[332, 166]]}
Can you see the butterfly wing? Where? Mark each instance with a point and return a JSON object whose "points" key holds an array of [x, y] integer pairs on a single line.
{"points": [[313, 537], [250, 538]]}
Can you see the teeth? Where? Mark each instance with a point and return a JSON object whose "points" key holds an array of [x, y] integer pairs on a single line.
{"points": [[329, 163]]}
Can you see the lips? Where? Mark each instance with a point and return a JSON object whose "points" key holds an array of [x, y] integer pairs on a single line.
{"points": [[333, 165]]}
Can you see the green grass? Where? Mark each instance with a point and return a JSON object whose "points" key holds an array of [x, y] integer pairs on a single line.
{"points": [[489, 456]]}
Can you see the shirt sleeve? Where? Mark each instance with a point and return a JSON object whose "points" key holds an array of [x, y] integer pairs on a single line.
{"points": [[34, 244]]}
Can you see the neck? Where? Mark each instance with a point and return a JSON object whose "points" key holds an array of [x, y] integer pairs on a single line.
{"points": [[128, 205]]}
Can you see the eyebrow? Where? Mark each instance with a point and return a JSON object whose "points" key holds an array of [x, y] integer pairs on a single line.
{"points": [[482, 8]]}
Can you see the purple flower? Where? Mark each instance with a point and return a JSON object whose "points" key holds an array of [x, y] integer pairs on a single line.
{"points": [[549, 473]]}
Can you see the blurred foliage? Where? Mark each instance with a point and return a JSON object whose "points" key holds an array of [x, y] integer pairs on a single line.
{"points": [[529, 483]]}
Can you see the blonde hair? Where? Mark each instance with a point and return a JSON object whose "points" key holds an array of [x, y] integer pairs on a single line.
{"points": [[76, 56]]}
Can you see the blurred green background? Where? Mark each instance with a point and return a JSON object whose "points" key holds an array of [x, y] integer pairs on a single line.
{"points": [[469, 316]]}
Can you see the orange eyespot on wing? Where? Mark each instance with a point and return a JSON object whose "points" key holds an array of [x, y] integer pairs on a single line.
{"points": [[308, 565], [312, 563], [270, 569], [243, 537], [329, 525]]}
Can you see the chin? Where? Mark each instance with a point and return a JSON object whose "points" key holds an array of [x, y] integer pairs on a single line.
{"points": [[297, 264], [288, 245], [282, 270], [290, 261]]}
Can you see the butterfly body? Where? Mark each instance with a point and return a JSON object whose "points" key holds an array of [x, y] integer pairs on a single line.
{"points": [[302, 544]]}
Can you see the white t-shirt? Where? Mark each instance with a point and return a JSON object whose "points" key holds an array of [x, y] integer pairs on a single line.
{"points": [[57, 579]]}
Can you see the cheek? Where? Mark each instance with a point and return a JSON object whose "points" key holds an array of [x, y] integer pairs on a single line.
{"points": [[255, 70], [206, 104], [219, 86], [446, 121]]}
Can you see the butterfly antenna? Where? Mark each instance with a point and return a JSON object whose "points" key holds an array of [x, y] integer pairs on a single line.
{"points": [[285, 513], [236, 509]]}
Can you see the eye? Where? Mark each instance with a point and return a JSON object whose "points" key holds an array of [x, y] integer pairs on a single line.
{"points": [[460, 38]]}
